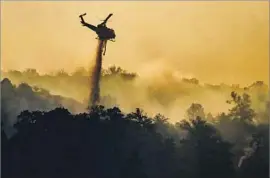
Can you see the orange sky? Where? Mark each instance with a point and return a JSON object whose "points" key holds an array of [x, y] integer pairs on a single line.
{"points": [[213, 41]]}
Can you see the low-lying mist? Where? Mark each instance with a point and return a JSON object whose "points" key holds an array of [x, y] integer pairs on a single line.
{"points": [[163, 93], [15, 99]]}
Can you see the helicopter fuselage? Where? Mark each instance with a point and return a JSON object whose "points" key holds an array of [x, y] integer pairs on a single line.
{"points": [[103, 32]]}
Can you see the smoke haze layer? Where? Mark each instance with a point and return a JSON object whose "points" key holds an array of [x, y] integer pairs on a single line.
{"points": [[166, 93]]}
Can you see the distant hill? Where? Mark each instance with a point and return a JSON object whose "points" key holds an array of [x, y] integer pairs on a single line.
{"points": [[15, 99]]}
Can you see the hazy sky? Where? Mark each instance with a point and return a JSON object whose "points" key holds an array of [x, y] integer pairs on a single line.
{"points": [[212, 41]]}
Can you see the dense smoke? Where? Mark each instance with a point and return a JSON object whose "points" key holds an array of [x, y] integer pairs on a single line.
{"points": [[164, 93], [95, 76]]}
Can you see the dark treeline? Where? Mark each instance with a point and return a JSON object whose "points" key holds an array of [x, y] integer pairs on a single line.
{"points": [[80, 71], [108, 143], [80, 75]]}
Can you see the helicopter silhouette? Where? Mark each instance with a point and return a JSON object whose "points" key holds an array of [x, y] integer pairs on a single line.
{"points": [[104, 33]]}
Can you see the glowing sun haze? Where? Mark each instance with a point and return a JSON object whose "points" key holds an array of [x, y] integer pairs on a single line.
{"points": [[212, 41]]}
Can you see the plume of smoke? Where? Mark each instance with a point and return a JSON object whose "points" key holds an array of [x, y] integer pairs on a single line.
{"points": [[95, 76], [248, 152]]}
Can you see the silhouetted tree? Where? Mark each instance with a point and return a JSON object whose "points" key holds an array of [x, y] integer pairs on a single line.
{"points": [[242, 108], [206, 152], [195, 110]]}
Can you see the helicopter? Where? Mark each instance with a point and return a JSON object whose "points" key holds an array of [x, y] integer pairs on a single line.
{"points": [[104, 33]]}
